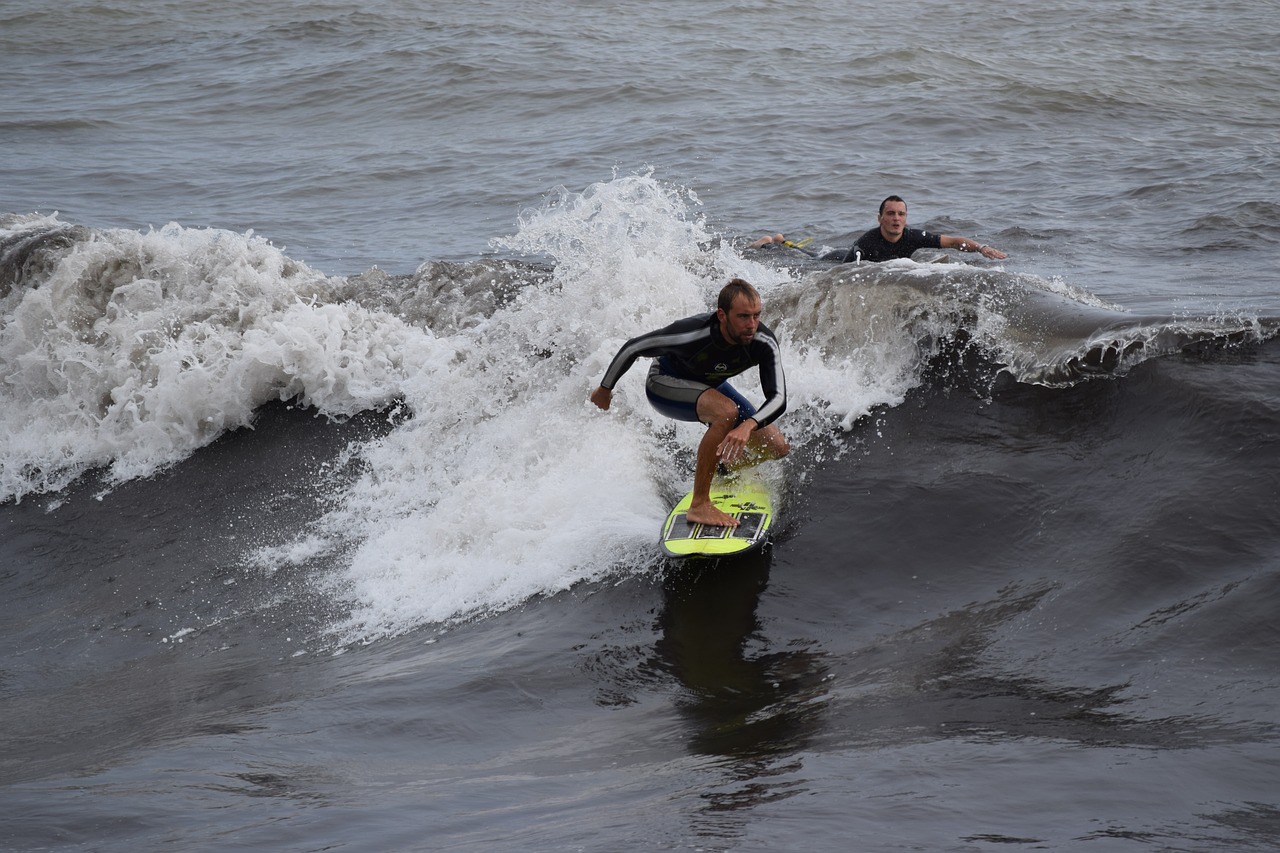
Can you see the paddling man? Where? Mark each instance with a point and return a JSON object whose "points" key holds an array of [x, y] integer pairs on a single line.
{"points": [[692, 359], [893, 239]]}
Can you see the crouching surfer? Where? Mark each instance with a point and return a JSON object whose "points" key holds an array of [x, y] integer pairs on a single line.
{"points": [[693, 358]]}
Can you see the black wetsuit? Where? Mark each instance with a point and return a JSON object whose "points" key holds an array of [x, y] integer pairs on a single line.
{"points": [[872, 246], [693, 349]]}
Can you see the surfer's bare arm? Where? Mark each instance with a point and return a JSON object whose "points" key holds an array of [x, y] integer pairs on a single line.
{"points": [[967, 244], [602, 397]]}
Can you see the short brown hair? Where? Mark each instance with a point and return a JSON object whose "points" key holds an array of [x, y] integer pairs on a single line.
{"points": [[891, 198], [736, 287]]}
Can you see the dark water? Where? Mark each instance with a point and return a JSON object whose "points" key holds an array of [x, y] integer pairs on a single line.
{"points": [[1041, 617], [302, 553]]}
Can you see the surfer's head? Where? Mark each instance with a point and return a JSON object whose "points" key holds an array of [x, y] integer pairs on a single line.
{"points": [[893, 218], [739, 311], [735, 288]]}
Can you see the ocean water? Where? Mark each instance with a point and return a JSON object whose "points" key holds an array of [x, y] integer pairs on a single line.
{"points": [[309, 538]]}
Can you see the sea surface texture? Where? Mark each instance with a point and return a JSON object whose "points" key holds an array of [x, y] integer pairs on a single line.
{"points": [[311, 540]]}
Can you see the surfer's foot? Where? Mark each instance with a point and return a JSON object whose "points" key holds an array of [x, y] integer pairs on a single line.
{"points": [[708, 514]]}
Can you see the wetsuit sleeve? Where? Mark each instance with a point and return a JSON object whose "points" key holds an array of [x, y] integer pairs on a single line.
{"points": [[925, 240], [772, 381], [860, 250], [654, 344]]}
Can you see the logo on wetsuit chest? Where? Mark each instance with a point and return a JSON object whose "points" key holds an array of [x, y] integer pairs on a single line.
{"points": [[721, 367]]}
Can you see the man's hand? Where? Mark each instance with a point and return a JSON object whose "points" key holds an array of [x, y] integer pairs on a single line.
{"points": [[602, 397], [735, 443]]}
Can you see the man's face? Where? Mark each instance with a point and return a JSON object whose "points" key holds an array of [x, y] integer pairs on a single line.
{"points": [[893, 220], [739, 324]]}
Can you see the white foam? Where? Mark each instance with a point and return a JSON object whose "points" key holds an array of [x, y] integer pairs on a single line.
{"points": [[507, 483], [142, 347]]}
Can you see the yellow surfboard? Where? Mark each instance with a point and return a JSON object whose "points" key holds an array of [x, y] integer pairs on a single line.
{"points": [[745, 499]]}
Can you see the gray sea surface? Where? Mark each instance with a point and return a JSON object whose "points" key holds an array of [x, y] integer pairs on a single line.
{"points": [[309, 540]]}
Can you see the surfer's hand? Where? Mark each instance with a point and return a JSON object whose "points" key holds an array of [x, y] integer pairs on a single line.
{"points": [[731, 449], [602, 397]]}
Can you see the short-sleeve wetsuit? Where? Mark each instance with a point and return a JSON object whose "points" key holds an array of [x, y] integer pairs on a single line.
{"points": [[691, 355], [872, 246]]}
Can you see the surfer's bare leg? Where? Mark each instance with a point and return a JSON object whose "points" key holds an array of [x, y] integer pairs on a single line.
{"points": [[720, 414], [701, 509]]}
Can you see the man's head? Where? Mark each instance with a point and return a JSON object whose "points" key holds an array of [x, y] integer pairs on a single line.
{"points": [[893, 218], [738, 309]]}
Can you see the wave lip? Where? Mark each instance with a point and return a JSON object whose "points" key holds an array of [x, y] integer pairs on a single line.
{"points": [[1040, 331]]}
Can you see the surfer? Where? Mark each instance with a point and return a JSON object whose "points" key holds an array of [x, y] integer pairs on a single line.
{"points": [[693, 358], [891, 238]]}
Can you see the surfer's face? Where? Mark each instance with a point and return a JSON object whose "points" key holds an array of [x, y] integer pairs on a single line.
{"points": [[739, 324], [893, 220]]}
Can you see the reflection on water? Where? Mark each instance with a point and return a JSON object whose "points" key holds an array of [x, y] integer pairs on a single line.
{"points": [[756, 709]]}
